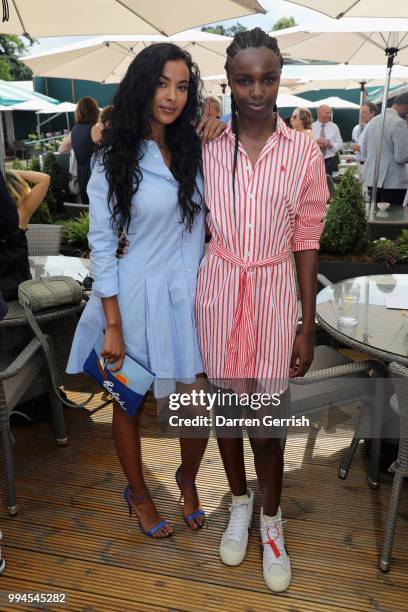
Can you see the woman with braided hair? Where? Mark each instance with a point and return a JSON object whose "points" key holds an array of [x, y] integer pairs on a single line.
{"points": [[265, 189]]}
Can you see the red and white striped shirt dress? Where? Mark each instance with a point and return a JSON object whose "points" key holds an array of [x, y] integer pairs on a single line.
{"points": [[246, 305]]}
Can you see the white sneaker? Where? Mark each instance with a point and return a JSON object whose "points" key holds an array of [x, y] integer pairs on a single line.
{"points": [[234, 540], [276, 563]]}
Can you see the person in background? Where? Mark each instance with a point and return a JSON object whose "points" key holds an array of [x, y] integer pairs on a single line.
{"points": [[368, 111], [103, 123], [83, 139], [302, 120], [212, 107], [14, 266], [8, 211], [327, 135], [27, 199], [392, 181]]}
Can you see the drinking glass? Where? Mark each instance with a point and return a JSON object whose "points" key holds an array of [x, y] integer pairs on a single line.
{"points": [[348, 304]]}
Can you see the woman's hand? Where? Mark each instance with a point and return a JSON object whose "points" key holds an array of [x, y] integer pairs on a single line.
{"points": [[302, 355], [114, 347], [210, 128]]}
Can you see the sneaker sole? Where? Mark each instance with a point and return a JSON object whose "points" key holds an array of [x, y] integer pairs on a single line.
{"points": [[279, 588], [240, 559]]}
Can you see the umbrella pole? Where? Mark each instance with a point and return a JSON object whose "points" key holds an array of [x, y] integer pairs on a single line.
{"points": [[67, 118], [391, 52], [362, 100]]}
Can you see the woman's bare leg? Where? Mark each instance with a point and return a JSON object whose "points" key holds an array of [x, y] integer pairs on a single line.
{"points": [[126, 434]]}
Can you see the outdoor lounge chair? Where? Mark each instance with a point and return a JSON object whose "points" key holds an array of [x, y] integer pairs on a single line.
{"points": [[399, 404], [333, 381], [44, 239], [16, 376]]}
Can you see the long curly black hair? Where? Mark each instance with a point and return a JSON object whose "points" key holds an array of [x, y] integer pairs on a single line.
{"points": [[129, 124], [245, 40]]}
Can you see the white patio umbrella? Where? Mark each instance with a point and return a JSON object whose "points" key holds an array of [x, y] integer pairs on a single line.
{"points": [[356, 8], [352, 41], [55, 110], [92, 17], [346, 76], [105, 59], [334, 102], [288, 100]]}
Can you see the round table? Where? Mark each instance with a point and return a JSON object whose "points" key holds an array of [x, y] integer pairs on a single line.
{"points": [[59, 265], [380, 332]]}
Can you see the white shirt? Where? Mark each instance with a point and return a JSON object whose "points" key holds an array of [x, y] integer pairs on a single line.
{"points": [[332, 133], [357, 136], [357, 132]]}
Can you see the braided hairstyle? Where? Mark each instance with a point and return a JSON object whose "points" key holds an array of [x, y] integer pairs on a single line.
{"points": [[246, 40]]}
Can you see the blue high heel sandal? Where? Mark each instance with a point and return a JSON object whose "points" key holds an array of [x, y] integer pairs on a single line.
{"points": [[198, 513], [147, 532]]}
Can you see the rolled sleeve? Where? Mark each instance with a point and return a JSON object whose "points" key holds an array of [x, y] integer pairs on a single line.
{"points": [[309, 221], [102, 239]]}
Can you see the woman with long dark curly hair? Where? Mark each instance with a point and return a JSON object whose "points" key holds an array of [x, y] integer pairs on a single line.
{"points": [[147, 182]]}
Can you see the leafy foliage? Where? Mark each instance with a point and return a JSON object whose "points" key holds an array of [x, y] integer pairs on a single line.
{"points": [[283, 23], [346, 226], [11, 49], [42, 214], [402, 244], [76, 231], [223, 31], [58, 192], [385, 252]]}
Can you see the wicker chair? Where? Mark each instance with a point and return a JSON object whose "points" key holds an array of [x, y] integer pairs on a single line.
{"points": [[16, 376], [399, 404], [44, 239], [333, 381]]}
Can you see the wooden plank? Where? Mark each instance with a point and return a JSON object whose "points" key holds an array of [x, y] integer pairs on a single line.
{"points": [[72, 532]]}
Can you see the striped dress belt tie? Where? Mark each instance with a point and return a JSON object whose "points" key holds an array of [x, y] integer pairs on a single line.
{"points": [[241, 345]]}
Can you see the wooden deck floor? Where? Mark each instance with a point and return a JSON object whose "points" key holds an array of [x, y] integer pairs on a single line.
{"points": [[73, 533]]}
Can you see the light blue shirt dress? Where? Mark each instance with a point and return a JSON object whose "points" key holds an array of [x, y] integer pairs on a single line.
{"points": [[155, 281]]}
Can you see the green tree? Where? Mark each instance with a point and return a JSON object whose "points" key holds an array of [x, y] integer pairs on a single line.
{"points": [[11, 49], [222, 31], [283, 22], [346, 229]]}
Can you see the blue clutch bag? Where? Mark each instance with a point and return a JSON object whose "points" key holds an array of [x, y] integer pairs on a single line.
{"points": [[127, 386]]}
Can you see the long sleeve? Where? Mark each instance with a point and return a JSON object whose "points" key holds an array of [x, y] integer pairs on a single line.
{"points": [[102, 238], [8, 210], [335, 139], [310, 215], [400, 140]]}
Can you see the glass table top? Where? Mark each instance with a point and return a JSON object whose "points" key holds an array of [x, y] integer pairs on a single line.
{"points": [[57, 265], [394, 215], [356, 309]]}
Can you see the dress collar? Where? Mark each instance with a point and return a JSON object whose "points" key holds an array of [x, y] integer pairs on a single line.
{"points": [[281, 130]]}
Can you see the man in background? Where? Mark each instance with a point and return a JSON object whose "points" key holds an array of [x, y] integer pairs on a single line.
{"points": [[368, 111], [327, 135], [212, 107], [392, 181]]}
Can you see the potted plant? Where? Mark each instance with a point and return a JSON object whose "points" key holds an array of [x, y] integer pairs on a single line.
{"points": [[345, 248]]}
